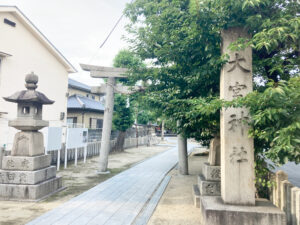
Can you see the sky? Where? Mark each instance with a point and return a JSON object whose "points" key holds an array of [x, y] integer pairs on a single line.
{"points": [[77, 28]]}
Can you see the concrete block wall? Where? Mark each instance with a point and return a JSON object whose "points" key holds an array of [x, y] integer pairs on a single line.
{"points": [[287, 197]]}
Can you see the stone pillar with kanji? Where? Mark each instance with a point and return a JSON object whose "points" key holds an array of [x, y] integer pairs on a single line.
{"points": [[237, 149], [237, 204]]}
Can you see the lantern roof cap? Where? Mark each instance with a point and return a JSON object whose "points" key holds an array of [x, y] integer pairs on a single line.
{"points": [[30, 95]]}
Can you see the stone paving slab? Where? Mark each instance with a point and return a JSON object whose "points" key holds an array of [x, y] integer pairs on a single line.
{"points": [[118, 200], [147, 212]]}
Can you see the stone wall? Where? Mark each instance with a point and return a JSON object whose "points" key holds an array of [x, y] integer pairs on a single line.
{"points": [[286, 197]]}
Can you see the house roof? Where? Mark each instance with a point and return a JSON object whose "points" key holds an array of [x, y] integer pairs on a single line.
{"points": [[77, 85], [38, 34], [81, 102], [3, 54]]}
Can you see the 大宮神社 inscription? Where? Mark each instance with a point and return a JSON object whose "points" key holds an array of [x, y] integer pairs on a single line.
{"points": [[238, 122], [236, 89], [236, 63]]}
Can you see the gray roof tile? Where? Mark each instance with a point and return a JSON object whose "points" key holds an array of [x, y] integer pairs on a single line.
{"points": [[77, 85], [81, 102]]}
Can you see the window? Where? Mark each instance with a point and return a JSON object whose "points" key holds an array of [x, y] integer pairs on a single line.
{"points": [[91, 123], [99, 123], [71, 120], [9, 22], [26, 110], [93, 97]]}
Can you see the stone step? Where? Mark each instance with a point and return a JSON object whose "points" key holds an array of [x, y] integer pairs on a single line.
{"points": [[30, 192], [215, 212], [25, 163], [211, 173], [196, 195], [27, 177], [211, 188]]}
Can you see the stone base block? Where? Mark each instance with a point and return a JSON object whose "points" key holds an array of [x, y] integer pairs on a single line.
{"points": [[27, 177], [30, 192], [25, 163], [196, 195], [215, 212], [211, 173], [29, 143], [211, 188]]}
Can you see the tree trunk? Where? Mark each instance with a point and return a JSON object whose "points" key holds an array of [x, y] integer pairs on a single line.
{"points": [[182, 155], [119, 147], [163, 130]]}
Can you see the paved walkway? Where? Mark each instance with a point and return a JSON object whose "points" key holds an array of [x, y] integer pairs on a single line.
{"points": [[118, 200]]}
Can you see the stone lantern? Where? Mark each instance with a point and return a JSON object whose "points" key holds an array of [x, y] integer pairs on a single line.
{"points": [[29, 142], [26, 174]]}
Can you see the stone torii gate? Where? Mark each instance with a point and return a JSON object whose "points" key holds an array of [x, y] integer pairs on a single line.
{"points": [[109, 89]]}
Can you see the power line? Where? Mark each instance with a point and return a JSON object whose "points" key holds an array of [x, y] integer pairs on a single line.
{"points": [[119, 20], [110, 33]]}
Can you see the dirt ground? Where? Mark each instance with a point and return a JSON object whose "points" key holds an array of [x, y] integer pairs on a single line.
{"points": [[176, 207], [77, 180]]}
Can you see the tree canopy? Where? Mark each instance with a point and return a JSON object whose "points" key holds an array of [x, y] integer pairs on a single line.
{"points": [[181, 40]]}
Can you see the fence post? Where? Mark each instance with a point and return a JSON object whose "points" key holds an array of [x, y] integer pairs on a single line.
{"points": [[76, 155], [298, 206], [1, 156], [66, 149], [98, 149], [273, 188], [295, 194], [84, 154], [58, 160], [286, 206], [66, 157], [280, 176]]}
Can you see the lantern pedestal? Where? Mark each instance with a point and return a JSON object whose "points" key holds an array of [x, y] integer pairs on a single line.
{"points": [[28, 143], [35, 192], [28, 178]]}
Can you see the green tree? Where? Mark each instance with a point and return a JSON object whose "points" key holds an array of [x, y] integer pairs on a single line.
{"points": [[183, 64], [181, 38], [122, 120]]}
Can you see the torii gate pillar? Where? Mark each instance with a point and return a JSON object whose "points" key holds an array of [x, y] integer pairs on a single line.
{"points": [[107, 124]]}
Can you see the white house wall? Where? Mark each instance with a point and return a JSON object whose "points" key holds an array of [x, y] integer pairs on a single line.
{"points": [[29, 54]]}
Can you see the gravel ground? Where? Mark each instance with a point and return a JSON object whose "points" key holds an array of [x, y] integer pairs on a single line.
{"points": [[176, 207]]}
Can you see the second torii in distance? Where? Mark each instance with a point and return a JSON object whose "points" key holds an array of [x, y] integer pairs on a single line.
{"points": [[109, 89]]}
